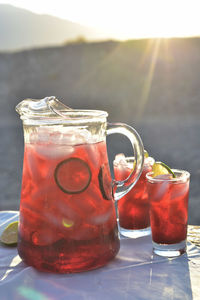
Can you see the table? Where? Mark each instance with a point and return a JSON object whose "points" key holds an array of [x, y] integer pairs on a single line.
{"points": [[136, 273]]}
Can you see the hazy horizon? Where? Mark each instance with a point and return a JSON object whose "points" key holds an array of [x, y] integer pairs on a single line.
{"points": [[48, 31], [127, 19]]}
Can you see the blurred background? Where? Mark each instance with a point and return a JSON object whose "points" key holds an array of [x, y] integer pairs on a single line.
{"points": [[138, 60]]}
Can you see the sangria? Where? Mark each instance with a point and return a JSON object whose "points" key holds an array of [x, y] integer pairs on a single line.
{"points": [[67, 216], [133, 208], [67, 213], [169, 211]]}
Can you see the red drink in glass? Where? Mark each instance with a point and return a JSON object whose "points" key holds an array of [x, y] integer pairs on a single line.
{"points": [[67, 215], [133, 208], [169, 212]]}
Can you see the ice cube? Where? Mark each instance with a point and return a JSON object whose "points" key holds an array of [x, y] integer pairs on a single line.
{"points": [[149, 161], [46, 135], [39, 135], [52, 151], [121, 161], [179, 190], [33, 165], [102, 218], [72, 136], [43, 134], [45, 236], [61, 135], [161, 191], [33, 137], [120, 157]]}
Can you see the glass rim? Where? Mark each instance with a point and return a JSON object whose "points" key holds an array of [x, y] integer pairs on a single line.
{"points": [[75, 114], [185, 176], [74, 117]]}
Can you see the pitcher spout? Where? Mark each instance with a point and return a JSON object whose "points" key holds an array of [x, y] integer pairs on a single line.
{"points": [[35, 107]]}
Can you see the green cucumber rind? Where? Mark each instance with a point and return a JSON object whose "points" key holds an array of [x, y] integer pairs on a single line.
{"points": [[101, 185]]}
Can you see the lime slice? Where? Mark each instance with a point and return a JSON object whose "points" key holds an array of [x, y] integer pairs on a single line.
{"points": [[159, 168], [10, 233], [146, 154]]}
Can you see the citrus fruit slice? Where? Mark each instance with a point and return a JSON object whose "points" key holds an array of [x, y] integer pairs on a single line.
{"points": [[159, 168], [105, 183], [73, 175], [10, 234], [146, 154]]}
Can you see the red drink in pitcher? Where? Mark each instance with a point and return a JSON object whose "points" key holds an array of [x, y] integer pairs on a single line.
{"points": [[133, 208], [67, 213], [68, 221]]}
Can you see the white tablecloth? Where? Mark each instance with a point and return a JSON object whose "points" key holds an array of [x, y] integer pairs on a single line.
{"points": [[135, 273]]}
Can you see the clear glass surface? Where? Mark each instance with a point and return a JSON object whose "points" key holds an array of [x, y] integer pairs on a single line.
{"points": [[67, 215], [169, 212], [133, 208]]}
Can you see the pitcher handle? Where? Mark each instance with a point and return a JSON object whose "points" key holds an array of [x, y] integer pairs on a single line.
{"points": [[124, 186]]}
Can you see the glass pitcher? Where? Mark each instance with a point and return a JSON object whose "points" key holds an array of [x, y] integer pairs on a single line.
{"points": [[67, 213]]}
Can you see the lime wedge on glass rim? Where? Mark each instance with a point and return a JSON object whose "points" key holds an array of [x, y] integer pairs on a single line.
{"points": [[160, 168], [10, 234]]}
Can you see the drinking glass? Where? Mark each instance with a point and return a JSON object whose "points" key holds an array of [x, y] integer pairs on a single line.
{"points": [[133, 208], [169, 212]]}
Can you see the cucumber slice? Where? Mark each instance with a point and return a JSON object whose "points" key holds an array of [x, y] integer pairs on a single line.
{"points": [[73, 175], [105, 183]]}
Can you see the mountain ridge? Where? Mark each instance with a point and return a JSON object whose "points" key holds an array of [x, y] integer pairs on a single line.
{"points": [[21, 28], [113, 76]]}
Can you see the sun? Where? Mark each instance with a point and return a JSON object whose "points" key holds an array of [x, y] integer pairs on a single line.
{"points": [[155, 18]]}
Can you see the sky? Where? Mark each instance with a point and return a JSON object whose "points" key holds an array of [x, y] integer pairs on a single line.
{"points": [[124, 19]]}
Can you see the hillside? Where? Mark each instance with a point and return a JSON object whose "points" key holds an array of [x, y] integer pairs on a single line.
{"points": [[20, 28], [124, 78]]}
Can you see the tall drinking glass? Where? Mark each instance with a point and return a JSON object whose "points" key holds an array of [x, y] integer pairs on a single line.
{"points": [[169, 212], [133, 208]]}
